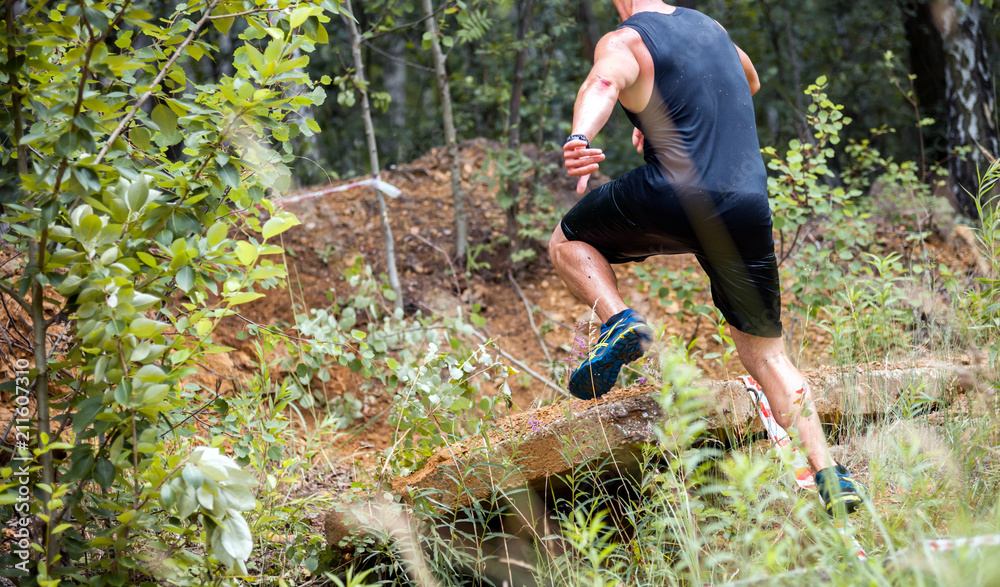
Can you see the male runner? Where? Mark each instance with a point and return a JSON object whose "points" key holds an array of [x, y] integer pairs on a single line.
{"points": [[687, 89]]}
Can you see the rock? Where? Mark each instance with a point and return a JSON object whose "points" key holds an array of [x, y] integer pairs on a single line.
{"points": [[443, 303], [968, 235], [532, 449], [379, 513]]}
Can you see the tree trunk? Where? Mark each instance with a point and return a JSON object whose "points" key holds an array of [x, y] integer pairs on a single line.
{"points": [[546, 96], [394, 78], [359, 72], [441, 76], [969, 96], [926, 54], [801, 128], [36, 252], [526, 9], [591, 30]]}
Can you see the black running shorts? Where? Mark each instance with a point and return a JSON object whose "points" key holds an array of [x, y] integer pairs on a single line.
{"points": [[642, 214]]}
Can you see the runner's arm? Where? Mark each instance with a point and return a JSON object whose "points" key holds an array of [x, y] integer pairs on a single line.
{"points": [[615, 69], [751, 72], [748, 67]]}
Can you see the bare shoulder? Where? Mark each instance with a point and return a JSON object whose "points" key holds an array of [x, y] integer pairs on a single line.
{"points": [[621, 40]]}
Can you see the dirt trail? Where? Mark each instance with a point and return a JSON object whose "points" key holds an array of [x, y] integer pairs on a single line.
{"points": [[339, 227]]}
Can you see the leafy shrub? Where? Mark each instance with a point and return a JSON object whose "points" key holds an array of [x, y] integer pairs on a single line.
{"points": [[132, 188], [984, 301], [871, 321], [803, 193], [432, 373]]}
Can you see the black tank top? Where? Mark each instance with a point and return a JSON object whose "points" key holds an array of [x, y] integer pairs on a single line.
{"points": [[699, 124]]}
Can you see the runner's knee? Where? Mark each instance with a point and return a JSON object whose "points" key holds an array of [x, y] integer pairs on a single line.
{"points": [[557, 239]]}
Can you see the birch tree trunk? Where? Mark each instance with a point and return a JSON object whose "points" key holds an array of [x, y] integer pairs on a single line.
{"points": [[359, 75], [441, 76], [969, 96]]}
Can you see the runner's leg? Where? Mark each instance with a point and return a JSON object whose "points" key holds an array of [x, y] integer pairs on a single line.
{"points": [[587, 274], [786, 391]]}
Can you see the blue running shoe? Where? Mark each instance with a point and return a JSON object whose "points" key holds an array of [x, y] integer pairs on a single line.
{"points": [[624, 338], [838, 490]]}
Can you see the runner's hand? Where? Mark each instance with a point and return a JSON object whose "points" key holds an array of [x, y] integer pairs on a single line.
{"points": [[581, 162], [637, 140]]}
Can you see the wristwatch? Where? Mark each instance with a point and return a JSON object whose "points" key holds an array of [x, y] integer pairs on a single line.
{"points": [[577, 137]]}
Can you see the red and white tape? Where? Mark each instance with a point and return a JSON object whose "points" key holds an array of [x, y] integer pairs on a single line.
{"points": [[803, 473], [946, 544], [386, 188]]}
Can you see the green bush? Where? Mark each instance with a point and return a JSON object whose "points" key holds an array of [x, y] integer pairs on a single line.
{"points": [[142, 209]]}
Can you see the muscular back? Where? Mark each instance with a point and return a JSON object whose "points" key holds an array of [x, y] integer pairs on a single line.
{"points": [[691, 98]]}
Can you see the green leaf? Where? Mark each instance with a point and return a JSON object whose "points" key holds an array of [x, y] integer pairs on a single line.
{"points": [[223, 24], [143, 327], [138, 193], [147, 258], [255, 57], [151, 374], [272, 54], [243, 297], [69, 285], [154, 394], [167, 496], [66, 144], [139, 137], [266, 272], [164, 119], [217, 233], [187, 501], [278, 224], [122, 394], [141, 301], [87, 178], [81, 466], [104, 473], [246, 253], [229, 175], [192, 475], [86, 412], [235, 537], [185, 278], [299, 16]]}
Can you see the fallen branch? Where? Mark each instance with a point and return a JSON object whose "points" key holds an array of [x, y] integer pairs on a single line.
{"points": [[531, 319], [523, 366]]}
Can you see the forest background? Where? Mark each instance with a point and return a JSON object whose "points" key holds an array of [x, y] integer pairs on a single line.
{"points": [[514, 69]]}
